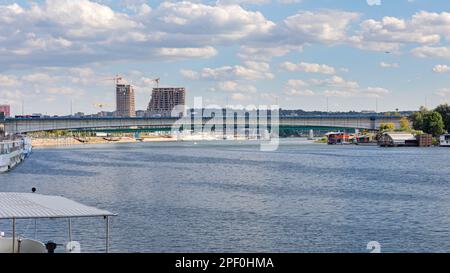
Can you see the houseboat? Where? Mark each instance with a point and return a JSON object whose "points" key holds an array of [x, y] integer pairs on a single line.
{"points": [[339, 138], [445, 140], [395, 139]]}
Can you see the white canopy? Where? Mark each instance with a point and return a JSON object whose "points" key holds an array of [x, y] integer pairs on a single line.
{"points": [[33, 205]]}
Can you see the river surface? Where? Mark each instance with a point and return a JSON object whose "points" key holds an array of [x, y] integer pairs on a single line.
{"points": [[218, 197]]}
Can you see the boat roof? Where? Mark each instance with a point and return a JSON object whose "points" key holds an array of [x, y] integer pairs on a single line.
{"points": [[32, 205], [400, 136]]}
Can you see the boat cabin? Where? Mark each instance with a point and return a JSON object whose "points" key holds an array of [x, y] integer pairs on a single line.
{"points": [[444, 140], [394, 139], [338, 138], [18, 206]]}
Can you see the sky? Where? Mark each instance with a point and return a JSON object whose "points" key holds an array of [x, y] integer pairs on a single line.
{"points": [[356, 54]]}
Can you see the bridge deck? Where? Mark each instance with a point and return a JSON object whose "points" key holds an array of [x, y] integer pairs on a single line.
{"points": [[24, 125]]}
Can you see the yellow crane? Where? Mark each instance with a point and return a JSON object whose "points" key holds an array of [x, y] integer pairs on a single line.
{"points": [[101, 105]]}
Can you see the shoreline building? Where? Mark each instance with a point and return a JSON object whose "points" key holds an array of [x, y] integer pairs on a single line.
{"points": [[164, 99], [125, 101], [6, 110]]}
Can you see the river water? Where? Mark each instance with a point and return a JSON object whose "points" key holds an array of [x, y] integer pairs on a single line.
{"points": [[222, 197]]}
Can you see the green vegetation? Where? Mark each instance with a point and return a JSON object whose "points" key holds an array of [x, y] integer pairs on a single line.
{"points": [[60, 133], [385, 127], [430, 122], [404, 124], [444, 110], [322, 140]]}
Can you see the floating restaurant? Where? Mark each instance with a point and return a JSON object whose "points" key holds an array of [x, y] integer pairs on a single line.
{"points": [[396, 139], [339, 138]]}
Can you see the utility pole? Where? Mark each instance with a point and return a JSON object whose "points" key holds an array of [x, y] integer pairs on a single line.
{"points": [[376, 105], [71, 107], [23, 107]]}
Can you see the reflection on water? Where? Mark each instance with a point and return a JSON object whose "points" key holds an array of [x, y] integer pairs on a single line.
{"points": [[175, 197]]}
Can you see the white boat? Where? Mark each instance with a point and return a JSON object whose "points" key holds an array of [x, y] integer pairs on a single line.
{"points": [[33, 206], [445, 140], [27, 146], [11, 154]]}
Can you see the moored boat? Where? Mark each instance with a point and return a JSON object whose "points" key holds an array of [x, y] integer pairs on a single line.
{"points": [[33, 206], [13, 152], [444, 140]]}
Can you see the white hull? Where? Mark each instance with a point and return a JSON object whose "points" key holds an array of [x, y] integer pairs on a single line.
{"points": [[9, 161], [444, 141], [13, 153]]}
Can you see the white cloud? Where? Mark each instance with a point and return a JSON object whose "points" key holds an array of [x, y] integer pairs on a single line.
{"points": [[250, 70], [369, 92], [296, 87], [308, 67], [73, 33], [240, 96], [390, 33], [63, 91], [67, 33], [236, 86], [227, 22], [335, 82], [433, 52], [265, 53], [203, 52], [189, 74], [375, 91], [8, 80], [389, 65], [256, 2], [323, 27], [299, 92], [373, 2], [443, 92], [441, 68], [296, 83], [39, 78], [339, 93]]}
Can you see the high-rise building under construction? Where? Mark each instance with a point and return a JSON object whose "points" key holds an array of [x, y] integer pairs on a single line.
{"points": [[164, 99], [125, 101]]}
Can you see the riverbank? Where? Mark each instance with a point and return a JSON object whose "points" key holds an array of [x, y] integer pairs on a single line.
{"points": [[69, 141]]}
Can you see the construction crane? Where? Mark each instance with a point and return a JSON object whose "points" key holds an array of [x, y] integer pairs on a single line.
{"points": [[157, 80], [101, 105], [116, 79]]}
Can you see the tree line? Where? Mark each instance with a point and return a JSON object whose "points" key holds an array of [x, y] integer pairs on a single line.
{"points": [[435, 122]]}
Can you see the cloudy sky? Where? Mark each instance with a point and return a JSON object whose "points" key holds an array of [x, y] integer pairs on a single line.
{"points": [[297, 53]]}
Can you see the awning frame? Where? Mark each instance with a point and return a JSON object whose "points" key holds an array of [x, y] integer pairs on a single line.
{"points": [[30, 198]]}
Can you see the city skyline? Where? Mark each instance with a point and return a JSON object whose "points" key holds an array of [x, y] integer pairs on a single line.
{"points": [[57, 55]]}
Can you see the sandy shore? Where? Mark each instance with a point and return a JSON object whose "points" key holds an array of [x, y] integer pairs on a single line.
{"points": [[68, 141]]}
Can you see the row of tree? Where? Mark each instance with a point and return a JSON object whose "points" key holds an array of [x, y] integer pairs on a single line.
{"points": [[435, 122]]}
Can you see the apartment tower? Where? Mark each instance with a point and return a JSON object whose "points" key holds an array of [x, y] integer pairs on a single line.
{"points": [[125, 101], [164, 99]]}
